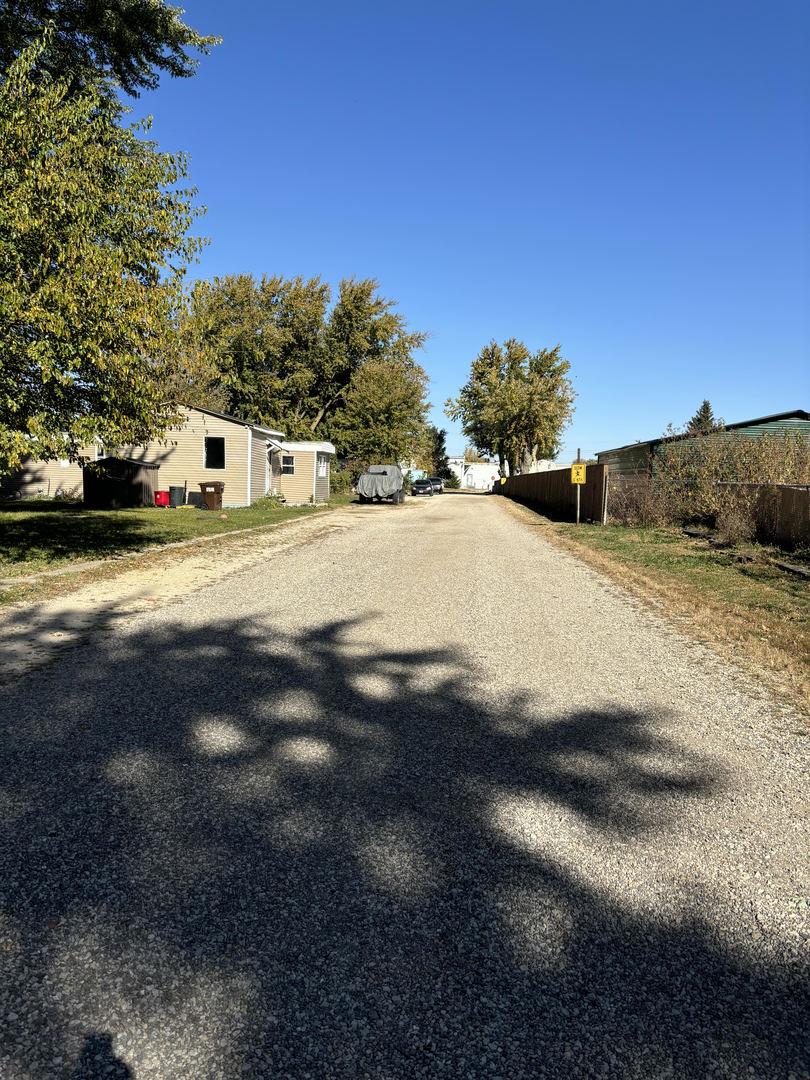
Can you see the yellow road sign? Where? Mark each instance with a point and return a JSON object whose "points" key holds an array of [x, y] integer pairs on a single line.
{"points": [[578, 473]]}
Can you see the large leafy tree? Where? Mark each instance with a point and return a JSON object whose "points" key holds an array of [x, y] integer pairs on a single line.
{"points": [[515, 404], [130, 42], [384, 413], [288, 359], [93, 248], [363, 328], [472, 455], [266, 341]]}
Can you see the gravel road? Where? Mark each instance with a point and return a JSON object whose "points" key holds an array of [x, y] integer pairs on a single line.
{"points": [[409, 793]]}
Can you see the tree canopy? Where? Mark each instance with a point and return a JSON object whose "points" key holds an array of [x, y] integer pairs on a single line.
{"points": [[515, 404], [287, 359], [704, 421], [129, 41], [93, 248], [384, 411], [265, 342], [472, 455], [433, 456]]}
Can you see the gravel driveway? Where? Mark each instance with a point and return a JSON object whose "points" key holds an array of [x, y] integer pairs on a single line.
{"points": [[416, 796]]}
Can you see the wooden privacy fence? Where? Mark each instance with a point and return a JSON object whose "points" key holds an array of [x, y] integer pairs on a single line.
{"points": [[781, 511], [554, 494]]}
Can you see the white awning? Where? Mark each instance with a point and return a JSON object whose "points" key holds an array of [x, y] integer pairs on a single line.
{"points": [[291, 445]]}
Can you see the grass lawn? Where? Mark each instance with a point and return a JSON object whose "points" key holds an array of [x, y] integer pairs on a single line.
{"points": [[38, 535], [733, 599]]}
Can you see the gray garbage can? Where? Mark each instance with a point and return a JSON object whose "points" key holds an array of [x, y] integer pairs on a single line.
{"points": [[177, 496]]}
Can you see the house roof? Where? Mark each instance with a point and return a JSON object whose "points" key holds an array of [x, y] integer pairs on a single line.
{"points": [[236, 420], [319, 447], [128, 460], [268, 431], [797, 414], [794, 414]]}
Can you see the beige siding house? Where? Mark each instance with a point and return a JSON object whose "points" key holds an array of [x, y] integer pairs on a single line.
{"points": [[300, 471], [206, 446], [49, 479], [212, 446], [250, 460]]}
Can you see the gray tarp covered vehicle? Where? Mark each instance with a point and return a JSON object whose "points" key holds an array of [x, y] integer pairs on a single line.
{"points": [[381, 482]]}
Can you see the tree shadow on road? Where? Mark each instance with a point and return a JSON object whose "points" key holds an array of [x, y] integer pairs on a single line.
{"points": [[244, 852]]}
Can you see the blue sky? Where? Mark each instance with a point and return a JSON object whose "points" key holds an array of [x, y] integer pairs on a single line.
{"points": [[629, 179]]}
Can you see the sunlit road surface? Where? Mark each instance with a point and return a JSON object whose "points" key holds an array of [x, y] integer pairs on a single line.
{"points": [[419, 796]]}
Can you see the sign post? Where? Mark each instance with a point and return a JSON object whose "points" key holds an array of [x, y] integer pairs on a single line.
{"points": [[578, 476]]}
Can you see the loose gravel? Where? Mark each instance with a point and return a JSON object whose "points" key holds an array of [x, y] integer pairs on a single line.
{"points": [[419, 795]]}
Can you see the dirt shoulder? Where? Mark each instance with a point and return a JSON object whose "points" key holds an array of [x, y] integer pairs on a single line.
{"points": [[757, 621], [63, 609], [68, 606]]}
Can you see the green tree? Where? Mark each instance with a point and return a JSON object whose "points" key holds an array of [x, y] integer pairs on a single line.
{"points": [[472, 455], [516, 403], [383, 418], [93, 248], [266, 340], [286, 359], [434, 453], [703, 422], [128, 41], [194, 377], [362, 328]]}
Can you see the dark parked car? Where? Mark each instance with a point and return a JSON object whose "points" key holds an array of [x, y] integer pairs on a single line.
{"points": [[438, 484], [421, 487]]}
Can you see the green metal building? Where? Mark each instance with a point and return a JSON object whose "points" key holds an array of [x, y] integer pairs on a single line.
{"points": [[637, 459]]}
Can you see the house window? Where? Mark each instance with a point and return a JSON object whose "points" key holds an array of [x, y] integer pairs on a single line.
{"points": [[288, 465], [323, 466], [214, 452]]}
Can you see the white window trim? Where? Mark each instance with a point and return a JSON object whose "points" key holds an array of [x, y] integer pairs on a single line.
{"points": [[283, 466], [224, 453]]}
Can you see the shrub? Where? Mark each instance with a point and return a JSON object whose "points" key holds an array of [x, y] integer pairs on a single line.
{"points": [[267, 502], [70, 494], [341, 480], [721, 479], [638, 502], [698, 470], [736, 520]]}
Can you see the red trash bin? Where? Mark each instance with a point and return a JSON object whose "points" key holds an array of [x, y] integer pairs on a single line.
{"points": [[161, 498]]}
